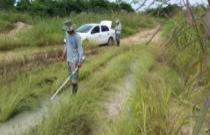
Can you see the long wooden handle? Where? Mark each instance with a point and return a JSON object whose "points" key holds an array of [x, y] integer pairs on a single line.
{"points": [[64, 83]]}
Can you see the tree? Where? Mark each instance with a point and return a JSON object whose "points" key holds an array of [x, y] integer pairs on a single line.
{"points": [[23, 5], [167, 11], [5, 4], [65, 7], [142, 3]]}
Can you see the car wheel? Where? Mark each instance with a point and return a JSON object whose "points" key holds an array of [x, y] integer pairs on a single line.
{"points": [[110, 41]]}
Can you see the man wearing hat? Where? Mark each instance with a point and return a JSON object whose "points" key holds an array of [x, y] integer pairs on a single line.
{"points": [[73, 52], [118, 29]]}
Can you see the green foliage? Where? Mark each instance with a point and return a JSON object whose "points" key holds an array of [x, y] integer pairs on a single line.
{"points": [[185, 53], [167, 11], [5, 4], [65, 7], [151, 102]]}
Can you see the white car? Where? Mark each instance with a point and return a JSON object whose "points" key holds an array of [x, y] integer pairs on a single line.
{"points": [[97, 34]]}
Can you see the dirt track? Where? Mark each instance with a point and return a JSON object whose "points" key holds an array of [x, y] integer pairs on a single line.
{"points": [[143, 36]]}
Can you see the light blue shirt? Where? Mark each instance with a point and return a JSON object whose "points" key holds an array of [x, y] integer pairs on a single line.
{"points": [[73, 48], [118, 28]]}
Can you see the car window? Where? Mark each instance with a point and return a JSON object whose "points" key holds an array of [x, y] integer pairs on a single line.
{"points": [[84, 28], [104, 28], [95, 30]]}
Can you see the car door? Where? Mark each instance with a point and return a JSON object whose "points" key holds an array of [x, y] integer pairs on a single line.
{"points": [[95, 35], [105, 34]]}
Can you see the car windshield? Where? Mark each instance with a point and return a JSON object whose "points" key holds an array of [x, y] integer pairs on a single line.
{"points": [[84, 28]]}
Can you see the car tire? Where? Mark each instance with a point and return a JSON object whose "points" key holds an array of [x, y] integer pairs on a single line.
{"points": [[110, 41]]}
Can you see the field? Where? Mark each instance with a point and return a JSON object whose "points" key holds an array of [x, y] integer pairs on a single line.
{"points": [[160, 88]]}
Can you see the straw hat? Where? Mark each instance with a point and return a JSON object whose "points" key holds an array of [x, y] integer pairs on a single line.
{"points": [[68, 26], [117, 21]]}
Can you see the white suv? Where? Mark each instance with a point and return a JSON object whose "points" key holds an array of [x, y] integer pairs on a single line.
{"points": [[97, 34]]}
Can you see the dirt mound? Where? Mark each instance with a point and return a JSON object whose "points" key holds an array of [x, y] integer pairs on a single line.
{"points": [[19, 27]]}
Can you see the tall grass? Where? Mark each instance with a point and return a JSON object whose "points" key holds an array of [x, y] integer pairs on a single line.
{"points": [[185, 53]]}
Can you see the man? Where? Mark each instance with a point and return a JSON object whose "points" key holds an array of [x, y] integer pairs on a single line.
{"points": [[73, 52], [118, 29]]}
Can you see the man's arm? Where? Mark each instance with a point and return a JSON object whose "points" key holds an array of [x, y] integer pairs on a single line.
{"points": [[64, 50], [120, 25], [64, 53], [80, 50]]}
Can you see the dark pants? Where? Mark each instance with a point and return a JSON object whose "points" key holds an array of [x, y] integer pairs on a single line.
{"points": [[118, 39], [74, 78]]}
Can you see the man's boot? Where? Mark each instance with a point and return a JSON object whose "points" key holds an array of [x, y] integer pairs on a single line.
{"points": [[118, 43], [74, 88]]}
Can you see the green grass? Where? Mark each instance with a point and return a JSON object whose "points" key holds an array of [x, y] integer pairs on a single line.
{"points": [[185, 56], [10, 17], [78, 115], [147, 111], [165, 92], [48, 31], [44, 80]]}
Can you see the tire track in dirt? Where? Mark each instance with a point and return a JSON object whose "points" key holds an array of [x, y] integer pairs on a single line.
{"points": [[142, 36], [23, 122], [116, 104]]}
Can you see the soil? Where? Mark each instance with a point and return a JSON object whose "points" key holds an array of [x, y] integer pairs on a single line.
{"points": [[19, 27]]}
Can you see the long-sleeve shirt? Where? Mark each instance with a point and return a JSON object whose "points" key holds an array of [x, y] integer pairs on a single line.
{"points": [[118, 28], [73, 48]]}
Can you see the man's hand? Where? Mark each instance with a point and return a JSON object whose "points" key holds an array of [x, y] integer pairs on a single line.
{"points": [[80, 65], [64, 57]]}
